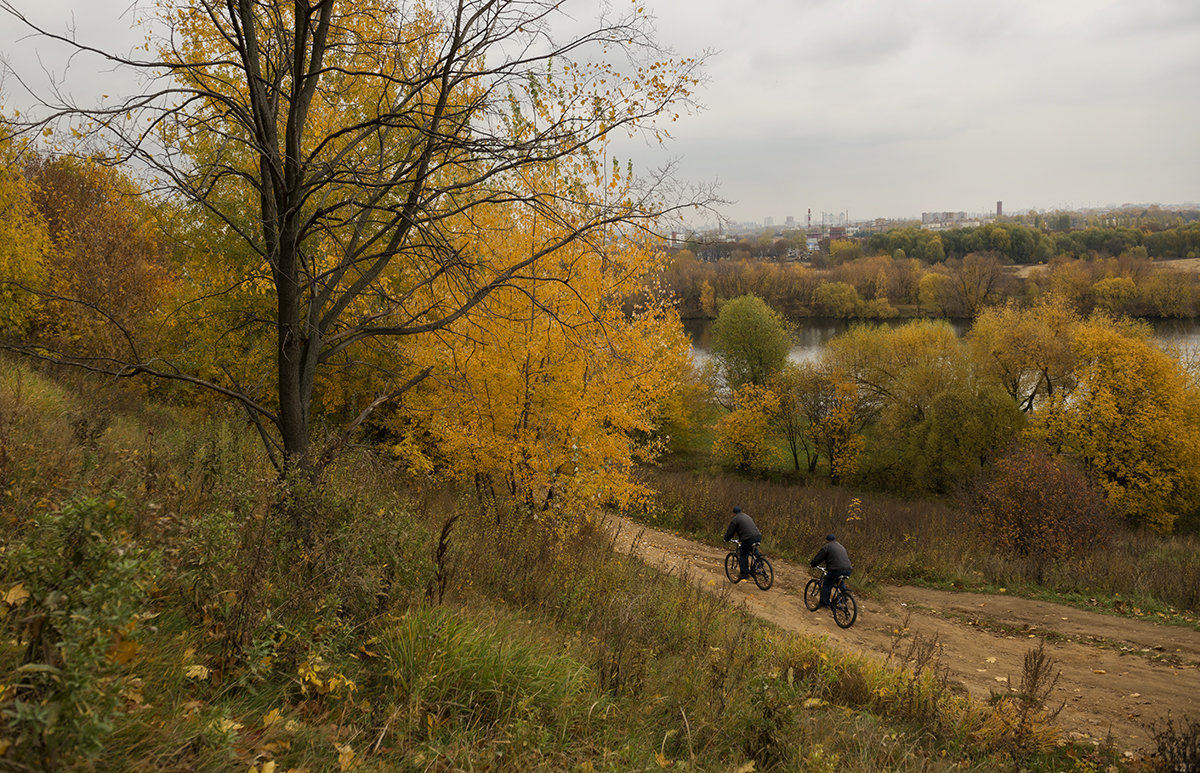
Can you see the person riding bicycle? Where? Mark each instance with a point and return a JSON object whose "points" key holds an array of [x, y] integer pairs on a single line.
{"points": [[837, 565], [748, 536]]}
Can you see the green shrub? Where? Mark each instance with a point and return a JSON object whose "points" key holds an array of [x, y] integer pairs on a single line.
{"points": [[76, 588]]}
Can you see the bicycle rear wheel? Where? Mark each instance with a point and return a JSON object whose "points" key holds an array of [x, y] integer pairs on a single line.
{"points": [[732, 570], [845, 608], [764, 575], [812, 594]]}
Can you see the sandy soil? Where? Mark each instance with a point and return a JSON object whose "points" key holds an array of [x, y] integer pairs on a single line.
{"points": [[1186, 265], [1118, 675]]}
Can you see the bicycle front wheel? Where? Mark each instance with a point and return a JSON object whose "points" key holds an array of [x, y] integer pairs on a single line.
{"points": [[845, 610], [732, 570], [812, 594], [764, 575]]}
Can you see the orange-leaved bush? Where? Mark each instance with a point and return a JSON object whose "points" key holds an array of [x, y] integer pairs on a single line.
{"points": [[1039, 506]]}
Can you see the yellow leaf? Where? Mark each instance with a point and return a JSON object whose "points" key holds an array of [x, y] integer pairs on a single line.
{"points": [[197, 672], [747, 768], [345, 756], [16, 595], [271, 717], [123, 651], [662, 760], [990, 660], [226, 725]]}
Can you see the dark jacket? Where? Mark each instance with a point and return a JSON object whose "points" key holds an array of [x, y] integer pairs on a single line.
{"points": [[743, 528], [834, 553]]}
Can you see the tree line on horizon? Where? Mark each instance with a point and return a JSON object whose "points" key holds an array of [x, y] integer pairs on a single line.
{"points": [[1165, 234], [890, 275]]}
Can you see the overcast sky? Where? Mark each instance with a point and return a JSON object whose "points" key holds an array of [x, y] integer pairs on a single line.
{"points": [[890, 109]]}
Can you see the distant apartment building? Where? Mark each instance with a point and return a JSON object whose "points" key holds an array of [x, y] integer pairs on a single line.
{"points": [[936, 220]]}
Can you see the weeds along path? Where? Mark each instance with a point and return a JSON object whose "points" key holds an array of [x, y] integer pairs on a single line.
{"points": [[1118, 675]]}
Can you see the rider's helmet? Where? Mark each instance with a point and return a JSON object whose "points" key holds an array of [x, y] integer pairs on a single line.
{"points": [[737, 510], [830, 537]]}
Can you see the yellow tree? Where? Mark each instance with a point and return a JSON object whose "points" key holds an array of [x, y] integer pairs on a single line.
{"points": [[898, 371], [23, 246], [106, 271], [550, 389], [335, 149], [838, 430], [1027, 349], [1134, 418], [744, 435]]}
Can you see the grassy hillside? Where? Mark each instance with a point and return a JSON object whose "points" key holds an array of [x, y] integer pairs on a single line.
{"points": [[161, 611]]}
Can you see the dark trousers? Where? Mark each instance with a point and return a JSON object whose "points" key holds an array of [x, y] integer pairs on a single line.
{"points": [[831, 578], [745, 549]]}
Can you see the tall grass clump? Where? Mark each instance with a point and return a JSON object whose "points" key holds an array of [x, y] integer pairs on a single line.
{"points": [[41, 455], [447, 679]]}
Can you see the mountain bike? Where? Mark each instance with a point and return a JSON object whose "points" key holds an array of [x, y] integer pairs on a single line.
{"points": [[760, 567], [841, 600]]}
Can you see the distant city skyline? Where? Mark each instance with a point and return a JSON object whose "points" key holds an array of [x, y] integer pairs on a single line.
{"points": [[800, 222]]}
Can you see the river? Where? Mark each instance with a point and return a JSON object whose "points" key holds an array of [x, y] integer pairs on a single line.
{"points": [[810, 335]]}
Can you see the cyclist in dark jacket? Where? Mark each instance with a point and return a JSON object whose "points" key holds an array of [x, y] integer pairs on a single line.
{"points": [[748, 537], [837, 565]]}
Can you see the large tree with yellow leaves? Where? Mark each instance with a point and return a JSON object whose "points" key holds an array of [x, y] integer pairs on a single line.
{"points": [[338, 160]]}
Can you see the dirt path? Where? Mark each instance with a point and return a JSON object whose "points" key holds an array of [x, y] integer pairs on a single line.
{"points": [[1117, 674]]}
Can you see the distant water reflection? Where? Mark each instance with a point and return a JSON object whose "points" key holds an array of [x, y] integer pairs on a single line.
{"points": [[811, 335]]}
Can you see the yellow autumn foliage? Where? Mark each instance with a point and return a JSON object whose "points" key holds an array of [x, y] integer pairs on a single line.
{"points": [[1134, 419]]}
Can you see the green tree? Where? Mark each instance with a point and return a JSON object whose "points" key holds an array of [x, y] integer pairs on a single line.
{"points": [[961, 432], [804, 394], [750, 342], [933, 419], [898, 370]]}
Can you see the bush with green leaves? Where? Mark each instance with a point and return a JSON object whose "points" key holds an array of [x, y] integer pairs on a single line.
{"points": [[750, 341], [75, 589]]}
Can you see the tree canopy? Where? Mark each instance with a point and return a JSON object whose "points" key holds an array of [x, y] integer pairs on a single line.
{"points": [[328, 165], [750, 342]]}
